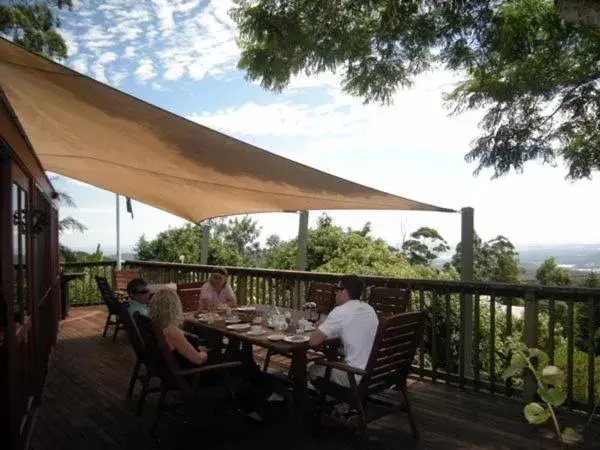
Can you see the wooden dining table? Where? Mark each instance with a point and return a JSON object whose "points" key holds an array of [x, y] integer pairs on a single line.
{"points": [[297, 351]]}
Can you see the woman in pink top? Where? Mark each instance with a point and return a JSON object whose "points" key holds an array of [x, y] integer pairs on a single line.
{"points": [[217, 291]]}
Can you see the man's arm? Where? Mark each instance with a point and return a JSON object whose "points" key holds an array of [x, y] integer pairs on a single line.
{"points": [[329, 329], [317, 337]]}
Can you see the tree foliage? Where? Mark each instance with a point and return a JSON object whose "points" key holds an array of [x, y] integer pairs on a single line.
{"points": [[550, 274], [535, 75], [495, 260], [34, 24], [424, 246]]}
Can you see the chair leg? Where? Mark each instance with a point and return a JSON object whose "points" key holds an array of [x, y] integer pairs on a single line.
{"points": [[321, 400], [411, 417], [143, 394], [362, 424], [267, 361], [159, 408], [134, 377], [106, 325], [117, 328]]}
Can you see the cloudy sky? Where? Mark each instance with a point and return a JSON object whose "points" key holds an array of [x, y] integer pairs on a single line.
{"points": [[181, 55]]}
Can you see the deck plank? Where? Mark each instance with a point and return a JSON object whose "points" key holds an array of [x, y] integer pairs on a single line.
{"points": [[85, 407]]}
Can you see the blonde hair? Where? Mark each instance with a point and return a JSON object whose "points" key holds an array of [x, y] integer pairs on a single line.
{"points": [[165, 309]]}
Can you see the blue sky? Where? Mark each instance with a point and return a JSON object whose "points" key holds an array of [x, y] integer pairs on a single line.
{"points": [[181, 56]]}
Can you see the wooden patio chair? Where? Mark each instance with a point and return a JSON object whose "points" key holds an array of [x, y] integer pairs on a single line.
{"points": [[143, 370], [189, 294], [389, 301], [112, 304], [323, 295], [172, 378], [389, 364]]}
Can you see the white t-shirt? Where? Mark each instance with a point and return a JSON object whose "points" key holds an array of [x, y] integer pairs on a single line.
{"points": [[355, 323]]}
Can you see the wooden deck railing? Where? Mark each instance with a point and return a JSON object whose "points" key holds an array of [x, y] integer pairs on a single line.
{"points": [[468, 324]]}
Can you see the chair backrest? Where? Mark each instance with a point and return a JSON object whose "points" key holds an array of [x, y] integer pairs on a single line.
{"points": [[132, 332], [393, 352], [123, 277], [190, 300], [389, 301], [323, 295], [108, 295], [158, 356], [189, 293]]}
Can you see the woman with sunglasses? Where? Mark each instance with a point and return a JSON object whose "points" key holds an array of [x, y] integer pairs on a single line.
{"points": [[217, 291]]}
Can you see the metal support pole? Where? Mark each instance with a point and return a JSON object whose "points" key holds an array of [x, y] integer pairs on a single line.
{"points": [[302, 240], [118, 234]]}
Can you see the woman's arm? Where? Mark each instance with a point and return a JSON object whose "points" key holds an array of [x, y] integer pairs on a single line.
{"points": [[177, 341]]}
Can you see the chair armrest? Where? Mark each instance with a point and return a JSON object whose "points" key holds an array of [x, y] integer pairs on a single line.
{"points": [[210, 368], [340, 366]]}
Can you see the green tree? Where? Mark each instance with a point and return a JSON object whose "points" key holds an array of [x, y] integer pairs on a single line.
{"points": [[34, 24], [424, 246], [550, 274], [232, 243], [495, 260], [535, 75]]}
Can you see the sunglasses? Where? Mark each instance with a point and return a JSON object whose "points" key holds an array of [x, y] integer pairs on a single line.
{"points": [[144, 291], [339, 288]]}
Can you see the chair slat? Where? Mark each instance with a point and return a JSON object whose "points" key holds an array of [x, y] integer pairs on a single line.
{"points": [[389, 301]]}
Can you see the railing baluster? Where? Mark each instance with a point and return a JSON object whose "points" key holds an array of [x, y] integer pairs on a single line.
{"points": [[422, 343], [462, 331], [476, 339], [448, 333], [570, 345], [434, 335], [591, 355], [263, 284], [551, 328], [492, 354], [509, 303]]}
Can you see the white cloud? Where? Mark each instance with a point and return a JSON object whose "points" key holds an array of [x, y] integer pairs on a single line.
{"points": [[204, 44], [145, 70], [107, 57], [80, 65], [417, 120], [116, 78], [129, 52]]}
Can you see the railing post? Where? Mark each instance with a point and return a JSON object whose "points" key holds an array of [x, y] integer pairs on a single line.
{"points": [[531, 314], [467, 264], [242, 289], [302, 240], [205, 245]]}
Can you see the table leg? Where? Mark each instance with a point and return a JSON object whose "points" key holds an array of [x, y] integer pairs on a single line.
{"points": [[299, 376]]}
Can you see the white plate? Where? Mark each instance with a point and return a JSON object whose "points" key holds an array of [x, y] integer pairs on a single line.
{"points": [[256, 333], [276, 337], [238, 326], [296, 339], [233, 320], [246, 308]]}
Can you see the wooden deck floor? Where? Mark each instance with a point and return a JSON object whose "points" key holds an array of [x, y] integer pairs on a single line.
{"points": [[85, 408]]}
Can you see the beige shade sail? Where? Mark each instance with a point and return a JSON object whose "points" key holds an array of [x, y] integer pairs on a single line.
{"points": [[91, 132]]}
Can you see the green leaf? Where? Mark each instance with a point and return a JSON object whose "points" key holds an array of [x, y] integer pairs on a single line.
{"points": [[536, 414], [553, 375], [553, 396], [570, 436], [518, 360], [513, 371], [540, 356]]}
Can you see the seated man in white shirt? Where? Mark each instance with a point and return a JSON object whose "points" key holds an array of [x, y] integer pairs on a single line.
{"points": [[354, 322]]}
